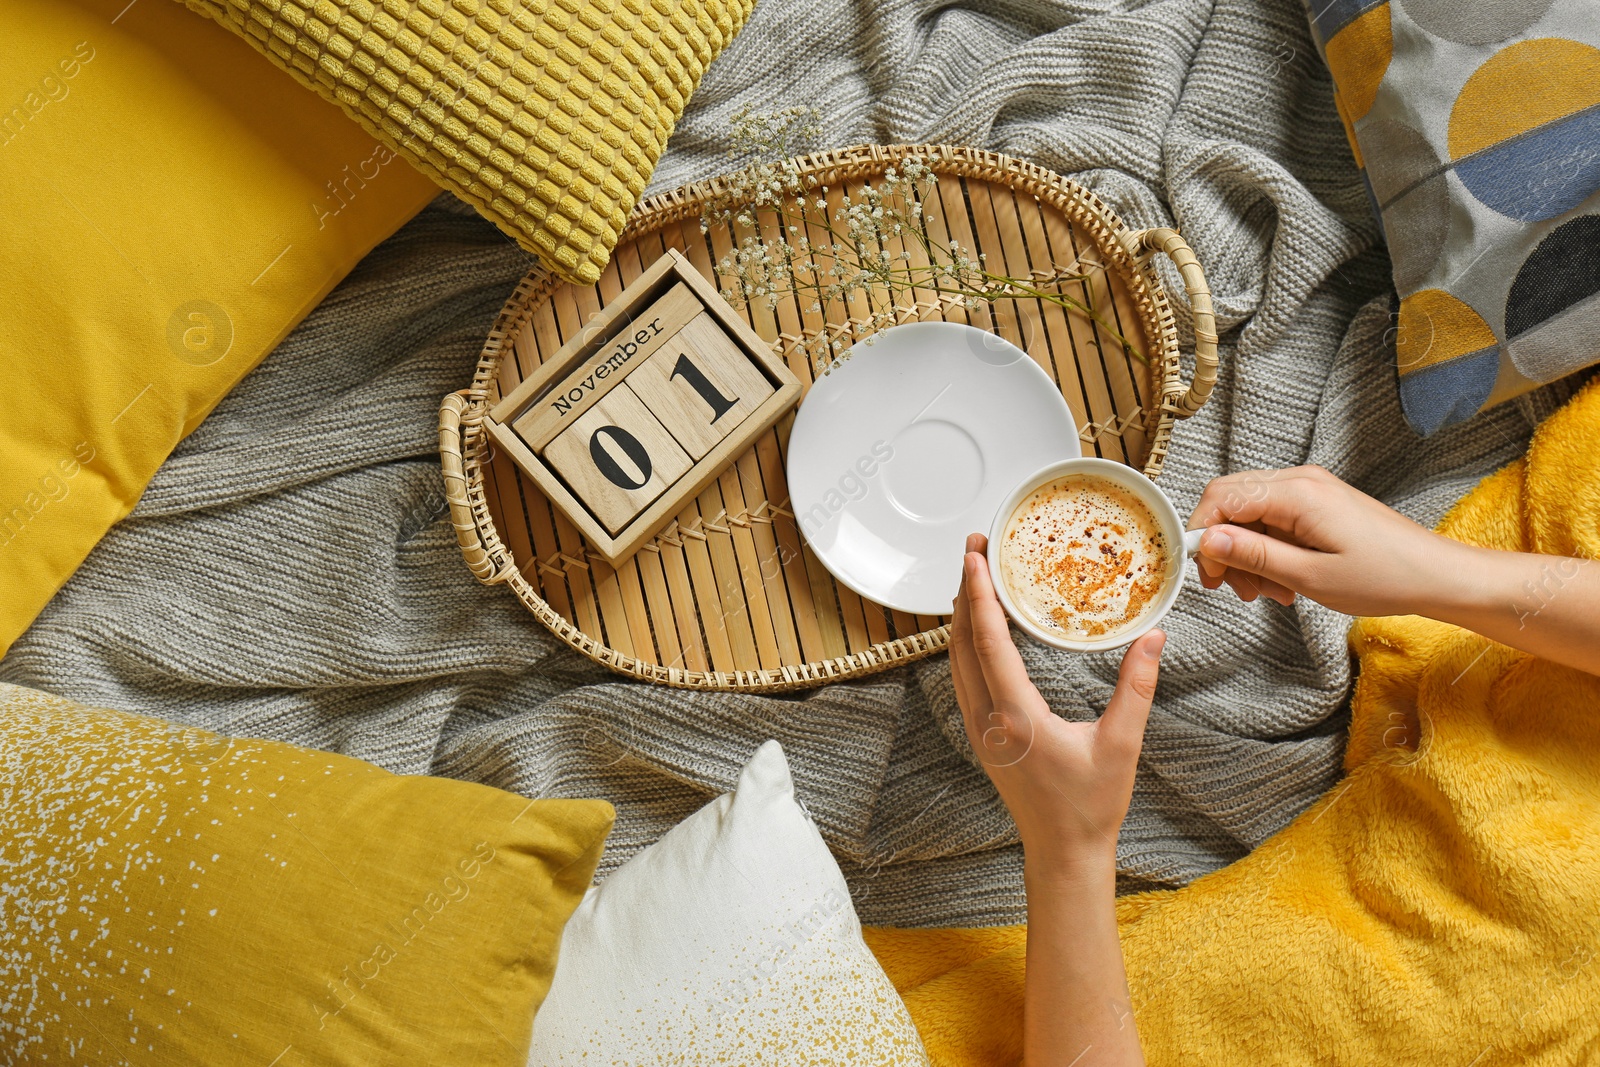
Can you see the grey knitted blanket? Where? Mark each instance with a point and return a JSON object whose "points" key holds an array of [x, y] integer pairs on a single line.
{"points": [[289, 573]]}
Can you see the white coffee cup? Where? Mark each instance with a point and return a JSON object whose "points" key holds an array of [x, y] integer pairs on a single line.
{"points": [[1166, 516]]}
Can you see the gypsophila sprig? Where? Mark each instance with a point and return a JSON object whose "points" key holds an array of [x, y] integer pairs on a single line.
{"points": [[798, 238]]}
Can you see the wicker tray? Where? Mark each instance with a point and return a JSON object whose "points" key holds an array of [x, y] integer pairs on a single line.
{"points": [[729, 597]]}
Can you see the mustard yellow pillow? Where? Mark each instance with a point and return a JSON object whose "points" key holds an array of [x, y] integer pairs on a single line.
{"points": [[173, 206], [170, 896], [548, 116]]}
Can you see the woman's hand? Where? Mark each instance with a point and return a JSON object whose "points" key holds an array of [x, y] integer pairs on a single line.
{"points": [[1279, 533], [1302, 530], [1067, 785]]}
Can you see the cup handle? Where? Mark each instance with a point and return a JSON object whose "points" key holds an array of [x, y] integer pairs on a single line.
{"points": [[1191, 543]]}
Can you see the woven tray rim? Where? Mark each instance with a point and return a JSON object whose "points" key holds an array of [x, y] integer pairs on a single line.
{"points": [[464, 447]]}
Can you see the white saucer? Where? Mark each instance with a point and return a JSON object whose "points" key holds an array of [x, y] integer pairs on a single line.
{"points": [[910, 446]]}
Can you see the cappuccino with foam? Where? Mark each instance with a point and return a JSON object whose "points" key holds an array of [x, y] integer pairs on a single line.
{"points": [[1084, 557]]}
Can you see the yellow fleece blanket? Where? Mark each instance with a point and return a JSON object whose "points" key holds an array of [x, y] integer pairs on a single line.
{"points": [[1440, 906]]}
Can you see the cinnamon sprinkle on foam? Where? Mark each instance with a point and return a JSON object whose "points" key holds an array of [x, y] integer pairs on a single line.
{"points": [[1083, 557]]}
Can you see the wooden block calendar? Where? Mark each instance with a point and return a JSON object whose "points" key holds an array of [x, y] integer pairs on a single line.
{"points": [[644, 408]]}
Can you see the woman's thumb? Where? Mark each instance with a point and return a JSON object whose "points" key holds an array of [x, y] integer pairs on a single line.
{"points": [[1121, 729]]}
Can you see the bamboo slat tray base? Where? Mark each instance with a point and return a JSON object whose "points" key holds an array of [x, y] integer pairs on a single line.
{"points": [[729, 597]]}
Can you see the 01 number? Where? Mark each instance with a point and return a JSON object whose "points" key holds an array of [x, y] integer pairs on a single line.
{"points": [[633, 449]]}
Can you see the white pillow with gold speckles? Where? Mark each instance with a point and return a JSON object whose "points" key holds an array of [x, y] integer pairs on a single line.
{"points": [[731, 940]]}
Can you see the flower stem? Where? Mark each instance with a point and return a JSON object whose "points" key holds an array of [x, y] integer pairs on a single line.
{"points": [[855, 244]]}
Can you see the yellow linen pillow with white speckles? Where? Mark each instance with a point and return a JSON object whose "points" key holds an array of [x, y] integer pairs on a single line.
{"points": [[168, 896], [731, 941]]}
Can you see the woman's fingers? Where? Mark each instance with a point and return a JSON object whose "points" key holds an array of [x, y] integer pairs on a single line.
{"points": [[1120, 732], [1286, 566], [1249, 586], [965, 674], [1285, 500], [1007, 729], [996, 653]]}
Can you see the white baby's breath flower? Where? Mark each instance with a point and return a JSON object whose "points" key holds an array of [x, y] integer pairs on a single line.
{"points": [[850, 259]]}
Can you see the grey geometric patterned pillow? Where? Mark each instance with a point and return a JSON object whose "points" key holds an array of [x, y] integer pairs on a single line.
{"points": [[1477, 123]]}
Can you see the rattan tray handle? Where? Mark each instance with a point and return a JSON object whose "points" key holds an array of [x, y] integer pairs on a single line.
{"points": [[1142, 244], [451, 409]]}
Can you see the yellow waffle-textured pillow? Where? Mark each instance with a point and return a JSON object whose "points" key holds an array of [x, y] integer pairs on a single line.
{"points": [[548, 116], [169, 896]]}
